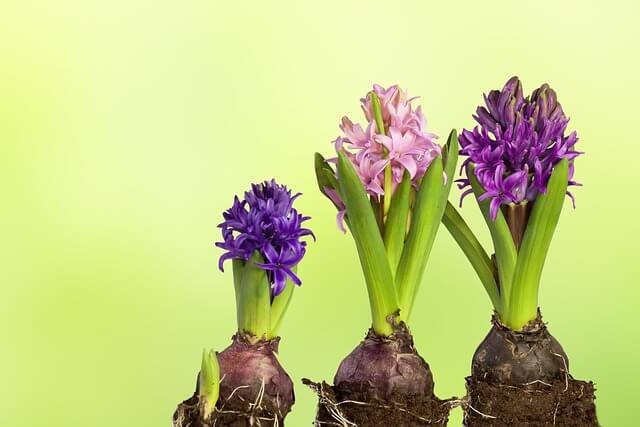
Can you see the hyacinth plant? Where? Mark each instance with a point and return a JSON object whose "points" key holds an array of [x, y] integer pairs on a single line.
{"points": [[390, 186], [264, 238], [389, 182], [519, 165]]}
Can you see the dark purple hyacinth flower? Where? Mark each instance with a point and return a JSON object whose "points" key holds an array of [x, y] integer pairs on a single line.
{"points": [[516, 145], [266, 222]]}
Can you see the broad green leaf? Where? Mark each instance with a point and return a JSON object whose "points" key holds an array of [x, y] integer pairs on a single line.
{"points": [[506, 253], [535, 245], [279, 306], [209, 382], [427, 214], [395, 228], [253, 297], [373, 258], [474, 251]]}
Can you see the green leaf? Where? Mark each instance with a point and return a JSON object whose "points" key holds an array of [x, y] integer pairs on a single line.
{"points": [[535, 245], [431, 201], [326, 178], [373, 258], [253, 297], [450, 160], [209, 382], [506, 253], [474, 251], [325, 175], [279, 306], [395, 228], [426, 218]]}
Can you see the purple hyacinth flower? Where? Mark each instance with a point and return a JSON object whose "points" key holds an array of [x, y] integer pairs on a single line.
{"points": [[280, 264], [266, 222], [516, 145], [505, 191]]}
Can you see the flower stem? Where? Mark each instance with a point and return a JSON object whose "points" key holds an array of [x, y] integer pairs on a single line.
{"points": [[388, 177], [388, 184]]}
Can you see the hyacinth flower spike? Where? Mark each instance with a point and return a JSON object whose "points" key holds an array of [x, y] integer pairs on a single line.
{"points": [[519, 164], [264, 237], [389, 183]]}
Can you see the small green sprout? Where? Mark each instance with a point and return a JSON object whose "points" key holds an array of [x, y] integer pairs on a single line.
{"points": [[209, 383]]}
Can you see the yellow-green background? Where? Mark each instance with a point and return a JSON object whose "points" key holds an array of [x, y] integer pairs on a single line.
{"points": [[126, 127]]}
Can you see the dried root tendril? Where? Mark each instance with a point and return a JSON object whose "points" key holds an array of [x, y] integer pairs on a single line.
{"points": [[327, 400], [187, 414]]}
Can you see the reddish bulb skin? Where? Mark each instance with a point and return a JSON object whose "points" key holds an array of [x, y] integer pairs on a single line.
{"points": [[245, 366], [382, 382], [382, 368], [254, 388]]}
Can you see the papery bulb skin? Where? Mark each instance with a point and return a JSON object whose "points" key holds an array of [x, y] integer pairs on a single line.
{"points": [[245, 366], [521, 378], [384, 367], [382, 382], [254, 389], [515, 358]]}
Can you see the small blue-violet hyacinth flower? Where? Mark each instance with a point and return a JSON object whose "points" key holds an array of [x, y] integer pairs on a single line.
{"points": [[266, 222], [516, 144]]}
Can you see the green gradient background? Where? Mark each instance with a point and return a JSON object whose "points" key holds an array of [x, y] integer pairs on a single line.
{"points": [[127, 127]]}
